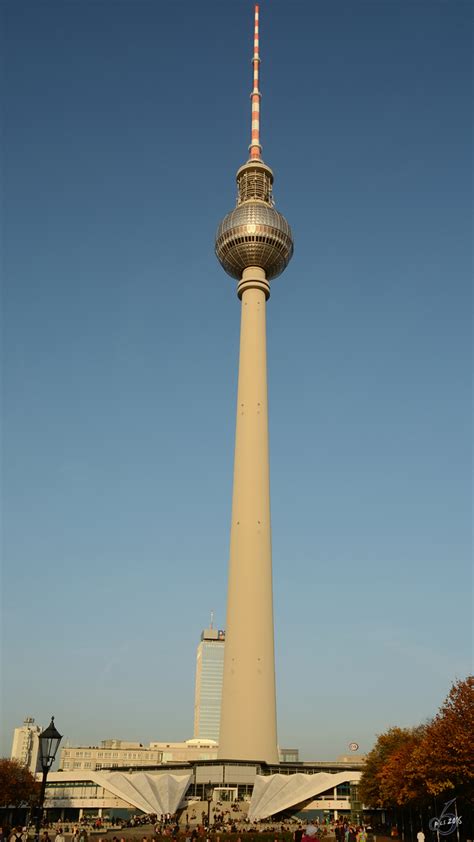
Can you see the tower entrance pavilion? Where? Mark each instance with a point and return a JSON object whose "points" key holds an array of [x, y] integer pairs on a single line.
{"points": [[258, 790]]}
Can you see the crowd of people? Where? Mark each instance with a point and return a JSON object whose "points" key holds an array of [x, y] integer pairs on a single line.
{"points": [[224, 819], [346, 832]]}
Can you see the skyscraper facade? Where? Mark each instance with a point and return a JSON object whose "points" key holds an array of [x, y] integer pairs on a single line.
{"points": [[253, 244], [208, 689], [25, 746]]}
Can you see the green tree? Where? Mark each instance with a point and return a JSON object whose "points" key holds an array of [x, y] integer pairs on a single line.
{"points": [[18, 786]]}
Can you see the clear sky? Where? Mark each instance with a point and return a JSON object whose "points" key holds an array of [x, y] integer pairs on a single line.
{"points": [[125, 122]]}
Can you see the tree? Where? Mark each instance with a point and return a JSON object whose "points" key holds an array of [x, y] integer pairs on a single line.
{"points": [[401, 783], [18, 786], [445, 756], [383, 772], [409, 766]]}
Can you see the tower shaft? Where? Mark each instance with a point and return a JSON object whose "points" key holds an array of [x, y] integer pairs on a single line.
{"points": [[248, 714]]}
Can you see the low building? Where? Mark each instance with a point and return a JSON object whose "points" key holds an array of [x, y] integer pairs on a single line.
{"points": [[288, 755], [117, 754], [325, 787], [109, 754], [188, 750]]}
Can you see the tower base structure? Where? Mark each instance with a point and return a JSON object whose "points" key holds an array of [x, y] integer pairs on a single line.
{"points": [[162, 789]]}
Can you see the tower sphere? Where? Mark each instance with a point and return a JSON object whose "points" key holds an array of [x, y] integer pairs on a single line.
{"points": [[254, 233]]}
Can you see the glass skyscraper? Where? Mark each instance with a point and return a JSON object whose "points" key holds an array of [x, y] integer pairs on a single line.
{"points": [[208, 691]]}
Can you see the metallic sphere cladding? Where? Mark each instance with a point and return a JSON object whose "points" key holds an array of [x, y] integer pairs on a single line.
{"points": [[254, 234]]}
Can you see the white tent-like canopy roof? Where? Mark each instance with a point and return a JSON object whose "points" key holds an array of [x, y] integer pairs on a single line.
{"points": [[273, 793], [150, 793], [147, 792]]}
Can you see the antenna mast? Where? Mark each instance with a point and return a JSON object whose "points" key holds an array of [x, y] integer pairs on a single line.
{"points": [[255, 146]]}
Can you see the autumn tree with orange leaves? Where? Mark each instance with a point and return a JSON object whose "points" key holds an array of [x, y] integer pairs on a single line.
{"points": [[383, 781], [409, 766], [445, 757], [401, 784], [18, 786]]}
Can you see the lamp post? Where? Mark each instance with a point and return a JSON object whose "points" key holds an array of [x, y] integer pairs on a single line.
{"points": [[49, 740], [209, 793]]}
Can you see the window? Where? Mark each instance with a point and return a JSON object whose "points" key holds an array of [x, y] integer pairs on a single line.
{"points": [[344, 789]]}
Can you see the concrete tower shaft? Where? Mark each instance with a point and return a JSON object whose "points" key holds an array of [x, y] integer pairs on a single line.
{"points": [[253, 244], [248, 715]]}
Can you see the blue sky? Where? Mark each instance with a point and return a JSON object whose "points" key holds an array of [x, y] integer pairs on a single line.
{"points": [[125, 123]]}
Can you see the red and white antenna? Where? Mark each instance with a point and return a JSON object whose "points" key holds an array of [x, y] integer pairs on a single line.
{"points": [[255, 147]]}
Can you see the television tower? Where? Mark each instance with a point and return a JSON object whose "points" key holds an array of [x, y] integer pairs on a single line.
{"points": [[253, 244]]}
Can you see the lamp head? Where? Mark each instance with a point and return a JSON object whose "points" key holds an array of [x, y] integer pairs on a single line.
{"points": [[49, 740]]}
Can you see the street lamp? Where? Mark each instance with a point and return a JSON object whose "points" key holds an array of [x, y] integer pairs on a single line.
{"points": [[49, 740], [209, 793]]}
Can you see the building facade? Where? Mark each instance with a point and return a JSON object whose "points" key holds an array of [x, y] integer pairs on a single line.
{"points": [[120, 754], [187, 751], [288, 755], [325, 787], [25, 746], [208, 687], [110, 754]]}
